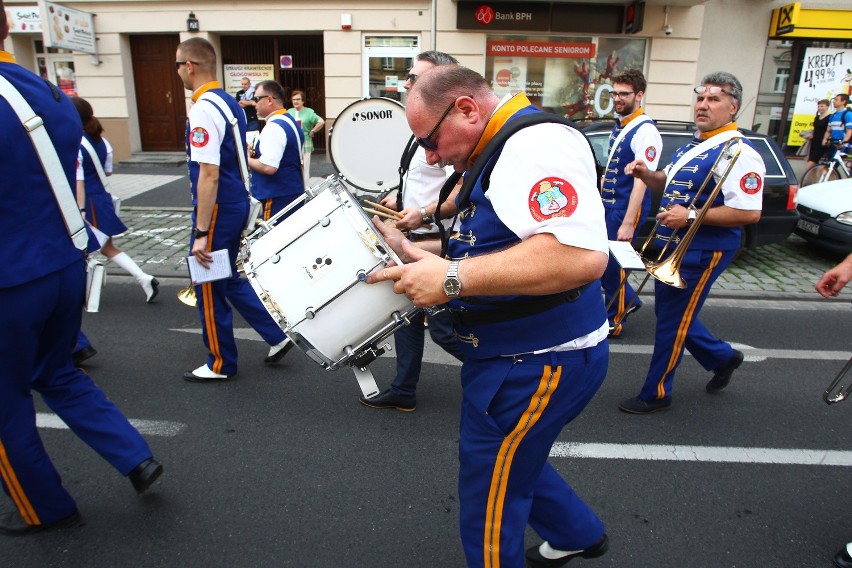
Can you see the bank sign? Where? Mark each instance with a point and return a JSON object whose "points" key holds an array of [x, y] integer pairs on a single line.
{"points": [[533, 16]]}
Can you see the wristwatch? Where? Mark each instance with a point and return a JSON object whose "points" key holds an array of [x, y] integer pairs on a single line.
{"points": [[198, 234], [423, 216], [452, 284], [690, 217]]}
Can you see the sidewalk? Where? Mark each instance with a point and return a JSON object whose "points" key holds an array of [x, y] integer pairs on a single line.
{"points": [[158, 238]]}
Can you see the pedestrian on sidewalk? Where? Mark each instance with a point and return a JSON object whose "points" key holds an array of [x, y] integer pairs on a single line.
{"points": [[311, 123], [95, 201]]}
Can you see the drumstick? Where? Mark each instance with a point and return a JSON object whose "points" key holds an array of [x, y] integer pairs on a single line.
{"points": [[381, 214], [385, 209]]}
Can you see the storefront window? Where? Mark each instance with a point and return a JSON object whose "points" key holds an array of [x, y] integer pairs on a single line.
{"points": [[387, 60], [564, 75], [57, 66]]}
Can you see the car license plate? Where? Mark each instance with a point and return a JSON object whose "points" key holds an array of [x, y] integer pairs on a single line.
{"points": [[812, 228]]}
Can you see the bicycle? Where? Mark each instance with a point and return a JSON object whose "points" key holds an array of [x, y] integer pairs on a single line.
{"points": [[838, 167]]}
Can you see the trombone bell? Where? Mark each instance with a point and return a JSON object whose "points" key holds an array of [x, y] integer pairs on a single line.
{"points": [[666, 272], [187, 296]]}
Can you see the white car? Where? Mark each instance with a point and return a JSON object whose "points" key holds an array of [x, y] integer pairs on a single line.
{"points": [[826, 215]]}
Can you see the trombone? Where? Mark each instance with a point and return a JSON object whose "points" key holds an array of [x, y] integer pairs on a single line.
{"points": [[843, 391], [668, 271]]}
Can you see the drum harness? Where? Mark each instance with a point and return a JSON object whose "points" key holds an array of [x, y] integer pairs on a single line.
{"points": [[483, 167]]}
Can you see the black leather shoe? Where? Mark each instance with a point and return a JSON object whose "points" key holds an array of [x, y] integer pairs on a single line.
{"points": [[387, 399], [12, 524], [637, 405], [722, 375], [155, 289], [536, 560], [145, 474], [276, 355], [82, 354]]}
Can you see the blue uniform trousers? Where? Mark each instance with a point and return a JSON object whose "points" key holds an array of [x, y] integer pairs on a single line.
{"points": [[613, 274], [39, 324], [409, 341], [273, 205], [82, 341], [678, 325], [215, 298], [513, 409]]}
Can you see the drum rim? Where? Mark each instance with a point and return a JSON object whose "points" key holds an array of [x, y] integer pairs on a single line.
{"points": [[331, 150]]}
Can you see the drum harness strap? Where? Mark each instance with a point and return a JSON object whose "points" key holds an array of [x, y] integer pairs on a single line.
{"points": [[483, 167]]}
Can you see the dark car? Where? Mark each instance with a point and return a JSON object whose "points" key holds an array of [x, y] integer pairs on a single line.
{"points": [[779, 215]]}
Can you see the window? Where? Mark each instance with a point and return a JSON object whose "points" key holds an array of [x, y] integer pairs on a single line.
{"points": [[782, 74], [57, 66], [387, 59]]}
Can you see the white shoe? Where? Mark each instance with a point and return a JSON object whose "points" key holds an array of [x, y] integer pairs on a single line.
{"points": [[203, 374], [151, 287], [277, 352]]}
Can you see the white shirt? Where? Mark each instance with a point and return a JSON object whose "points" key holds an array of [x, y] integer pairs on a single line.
{"points": [[422, 183]]}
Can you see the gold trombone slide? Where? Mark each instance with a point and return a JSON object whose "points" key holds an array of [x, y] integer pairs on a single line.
{"points": [[668, 271]]}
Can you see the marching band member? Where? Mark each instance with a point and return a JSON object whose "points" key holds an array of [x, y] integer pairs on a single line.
{"points": [[277, 154], [527, 310], [42, 281], [221, 206], [626, 203], [96, 202], [715, 244]]}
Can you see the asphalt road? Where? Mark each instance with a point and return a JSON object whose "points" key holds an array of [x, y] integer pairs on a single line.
{"points": [[283, 467]]}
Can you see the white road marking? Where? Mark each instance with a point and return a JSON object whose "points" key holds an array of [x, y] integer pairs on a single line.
{"points": [[710, 454], [147, 427]]}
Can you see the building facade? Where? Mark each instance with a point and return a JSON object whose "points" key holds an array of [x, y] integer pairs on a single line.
{"points": [[561, 53]]}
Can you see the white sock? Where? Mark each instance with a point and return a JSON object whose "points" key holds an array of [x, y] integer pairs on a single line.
{"points": [[551, 553], [127, 264]]}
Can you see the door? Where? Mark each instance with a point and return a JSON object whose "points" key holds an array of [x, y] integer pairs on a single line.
{"points": [[160, 97]]}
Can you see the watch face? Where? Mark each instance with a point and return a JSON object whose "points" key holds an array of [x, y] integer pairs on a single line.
{"points": [[452, 287]]}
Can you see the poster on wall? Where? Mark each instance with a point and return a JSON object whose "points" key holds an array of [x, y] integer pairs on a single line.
{"points": [[571, 77], [26, 19], [66, 28], [256, 73], [825, 72]]}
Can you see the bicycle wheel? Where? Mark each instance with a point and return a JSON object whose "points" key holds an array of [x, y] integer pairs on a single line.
{"points": [[813, 175]]}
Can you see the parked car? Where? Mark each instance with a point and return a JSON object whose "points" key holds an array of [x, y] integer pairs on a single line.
{"points": [[826, 215], [779, 215]]}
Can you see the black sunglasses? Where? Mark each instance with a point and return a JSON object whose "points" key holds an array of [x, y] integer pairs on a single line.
{"points": [[427, 142], [184, 62], [257, 98], [411, 77]]}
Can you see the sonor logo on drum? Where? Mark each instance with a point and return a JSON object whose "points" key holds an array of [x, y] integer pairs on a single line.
{"points": [[372, 115]]}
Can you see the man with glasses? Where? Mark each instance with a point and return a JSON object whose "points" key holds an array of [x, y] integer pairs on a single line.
{"points": [[522, 284], [276, 156], [715, 242], [417, 199], [245, 98], [626, 203], [220, 208]]}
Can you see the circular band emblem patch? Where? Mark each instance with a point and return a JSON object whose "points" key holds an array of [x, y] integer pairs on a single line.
{"points": [[751, 183], [552, 197], [650, 153], [198, 137]]}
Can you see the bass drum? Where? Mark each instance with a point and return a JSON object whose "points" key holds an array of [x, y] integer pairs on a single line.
{"points": [[367, 142]]}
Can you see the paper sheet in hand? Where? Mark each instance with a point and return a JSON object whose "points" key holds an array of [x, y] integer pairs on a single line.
{"points": [[220, 268], [626, 256]]}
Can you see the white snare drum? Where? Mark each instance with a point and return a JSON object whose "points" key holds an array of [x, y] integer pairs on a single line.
{"points": [[309, 272], [367, 142]]}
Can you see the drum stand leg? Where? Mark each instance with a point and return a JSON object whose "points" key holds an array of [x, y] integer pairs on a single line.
{"points": [[366, 381]]}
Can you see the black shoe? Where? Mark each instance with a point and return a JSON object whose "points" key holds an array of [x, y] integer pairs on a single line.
{"points": [[387, 399], [842, 558], [536, 560], [203, 374], [277, 353], [722, 375], [145, 474], [637, 405], [82, 354], [154, 290], [12, 524]]}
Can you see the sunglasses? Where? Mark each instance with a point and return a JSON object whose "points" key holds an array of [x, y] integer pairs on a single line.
{"points": [[622, 94], [411, 77], [184, 62], [258, 98], [711, 90], [427, 142]]}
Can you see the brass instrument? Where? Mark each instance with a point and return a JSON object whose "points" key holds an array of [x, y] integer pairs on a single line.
{"points": [[668, 271], [187, 295], [843, 391]]}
